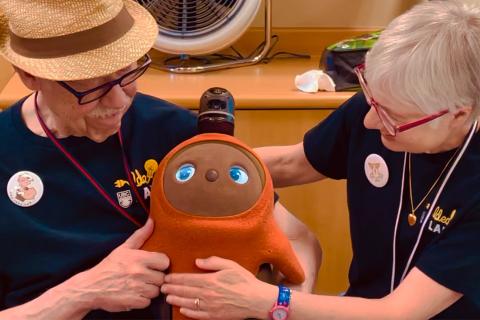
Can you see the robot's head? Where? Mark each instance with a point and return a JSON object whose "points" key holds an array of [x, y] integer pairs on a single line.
{"points": [[213, 178]]}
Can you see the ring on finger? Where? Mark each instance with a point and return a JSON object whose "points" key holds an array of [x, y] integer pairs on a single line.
{"points": [[196, 302]]}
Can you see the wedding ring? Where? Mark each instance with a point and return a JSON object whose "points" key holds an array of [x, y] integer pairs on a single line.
{"points": [[197, 303]]}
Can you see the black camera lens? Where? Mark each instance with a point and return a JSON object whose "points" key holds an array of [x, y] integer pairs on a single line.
{"points": [[216, 104]]}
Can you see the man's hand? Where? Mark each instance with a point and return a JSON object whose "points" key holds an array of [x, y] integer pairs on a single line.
{"points": [[128, 278]]}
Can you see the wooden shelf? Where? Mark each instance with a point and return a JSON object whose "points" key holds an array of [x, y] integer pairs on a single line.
{"points": [[261, 86]]}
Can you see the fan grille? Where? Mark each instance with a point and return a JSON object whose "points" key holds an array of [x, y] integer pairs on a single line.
{"points": [[191, 18]]}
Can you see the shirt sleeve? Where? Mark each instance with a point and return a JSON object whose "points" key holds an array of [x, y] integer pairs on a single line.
{"points": [[326, 145], [453, 260]]}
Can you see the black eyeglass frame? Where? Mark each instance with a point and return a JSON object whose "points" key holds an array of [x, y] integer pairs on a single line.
{"points": [[107, 86]]}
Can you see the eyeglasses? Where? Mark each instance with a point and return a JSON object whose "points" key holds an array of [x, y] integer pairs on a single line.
{"points": [[387, 121], [96, 93]]}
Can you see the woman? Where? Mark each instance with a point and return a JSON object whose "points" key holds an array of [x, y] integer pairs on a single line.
{"points": [[409, 148]]}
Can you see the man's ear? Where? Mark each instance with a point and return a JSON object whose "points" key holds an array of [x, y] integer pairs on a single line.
{"points": [[29, 80]]}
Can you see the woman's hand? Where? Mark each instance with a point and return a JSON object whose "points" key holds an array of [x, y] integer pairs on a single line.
{"points": [[128, 278], [231, 292]]}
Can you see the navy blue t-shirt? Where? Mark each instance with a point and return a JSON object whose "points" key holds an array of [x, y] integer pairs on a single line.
{"points": [[72, 227], [448, 251]]}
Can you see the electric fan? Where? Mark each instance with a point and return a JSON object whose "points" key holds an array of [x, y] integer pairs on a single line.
{"points": [[198, 27]]}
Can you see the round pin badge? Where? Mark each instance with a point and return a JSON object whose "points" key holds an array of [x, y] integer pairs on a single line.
{"points": [[376, 170], [25, 188]]}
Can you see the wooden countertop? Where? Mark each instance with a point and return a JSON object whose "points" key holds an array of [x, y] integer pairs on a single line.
{"points": [[261, 86]]}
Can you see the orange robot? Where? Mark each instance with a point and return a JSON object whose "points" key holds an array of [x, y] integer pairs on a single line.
{"points": [[213, 196]]}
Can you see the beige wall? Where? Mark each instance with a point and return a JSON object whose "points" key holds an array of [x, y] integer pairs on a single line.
{"points": [[335, 13]]}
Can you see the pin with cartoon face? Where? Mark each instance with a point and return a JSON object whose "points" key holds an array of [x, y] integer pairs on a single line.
{"points": [[25, 188]]}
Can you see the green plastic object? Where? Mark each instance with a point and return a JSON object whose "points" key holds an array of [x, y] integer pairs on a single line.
{"points": [[363, 42]]}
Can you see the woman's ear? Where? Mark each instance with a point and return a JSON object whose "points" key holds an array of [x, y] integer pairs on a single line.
{"points": [[29, 80], [461, 115]]}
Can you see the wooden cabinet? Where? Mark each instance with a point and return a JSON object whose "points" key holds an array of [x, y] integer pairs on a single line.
{"points": [[322, 206]]}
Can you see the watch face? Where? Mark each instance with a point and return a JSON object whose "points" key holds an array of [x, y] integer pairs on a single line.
{"points": [[279, 314]]}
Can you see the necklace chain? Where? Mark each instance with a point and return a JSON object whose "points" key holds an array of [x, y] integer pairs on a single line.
{"points": [[412, 218]]}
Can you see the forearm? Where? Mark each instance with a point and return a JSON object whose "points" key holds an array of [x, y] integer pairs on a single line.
{"points": [[304, 244], [309, 253], [274, 160], [417, 297], [288, 165], [311, 307], [58, 303], [234, 293], [304, 306], [279, 163]]}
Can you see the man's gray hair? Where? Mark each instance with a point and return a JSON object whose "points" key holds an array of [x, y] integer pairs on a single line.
{"points": [[429, 57]]}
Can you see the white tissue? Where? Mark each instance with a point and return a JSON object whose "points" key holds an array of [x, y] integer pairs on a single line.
{"points": [[314, 80]]}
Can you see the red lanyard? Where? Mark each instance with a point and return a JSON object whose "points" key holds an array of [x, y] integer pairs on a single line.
{"points": [[90, 178]]}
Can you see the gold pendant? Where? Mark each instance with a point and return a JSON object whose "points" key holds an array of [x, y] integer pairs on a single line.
{"points": [[412, 219]]}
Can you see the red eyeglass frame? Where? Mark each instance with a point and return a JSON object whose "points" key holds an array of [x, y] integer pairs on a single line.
{"points": [[387, 121]]}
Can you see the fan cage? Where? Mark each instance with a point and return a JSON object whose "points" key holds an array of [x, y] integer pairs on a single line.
{"points": [[192, 18]]}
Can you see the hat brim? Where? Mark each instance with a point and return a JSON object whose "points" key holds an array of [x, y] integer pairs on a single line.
{"points": [[94, 63]]}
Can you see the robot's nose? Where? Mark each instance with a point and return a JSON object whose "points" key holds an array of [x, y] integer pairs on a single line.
{"points": [[211, 175]]}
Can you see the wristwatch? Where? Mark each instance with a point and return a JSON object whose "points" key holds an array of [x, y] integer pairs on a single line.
{"points": [[280, 309]]}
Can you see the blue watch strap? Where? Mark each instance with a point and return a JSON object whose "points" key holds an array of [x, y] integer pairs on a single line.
{"points": [[284, 294]]}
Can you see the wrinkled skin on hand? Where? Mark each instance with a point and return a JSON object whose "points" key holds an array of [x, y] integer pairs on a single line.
{"points": [[128, 278], [231, 292]]}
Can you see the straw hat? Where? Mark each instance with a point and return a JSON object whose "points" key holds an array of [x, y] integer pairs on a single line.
{"points": [[74, 39]]}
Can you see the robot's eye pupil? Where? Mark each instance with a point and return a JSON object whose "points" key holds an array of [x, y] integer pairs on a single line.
{"points": [[185, 172], [238, 175]]}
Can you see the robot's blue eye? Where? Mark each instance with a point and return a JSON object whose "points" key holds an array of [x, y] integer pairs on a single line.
{"points": [[238, 175], [185, 172]]}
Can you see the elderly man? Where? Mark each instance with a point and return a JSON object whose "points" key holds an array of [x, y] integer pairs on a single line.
{"points": [[72, 250]]}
